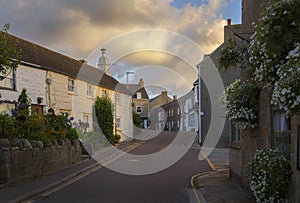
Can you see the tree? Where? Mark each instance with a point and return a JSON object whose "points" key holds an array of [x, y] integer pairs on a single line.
{"points": [[23, 103], [9, 54], [105, 119], [137, 121]]}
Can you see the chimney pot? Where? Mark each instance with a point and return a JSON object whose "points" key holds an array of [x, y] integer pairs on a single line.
{"points": [[229, 21]]}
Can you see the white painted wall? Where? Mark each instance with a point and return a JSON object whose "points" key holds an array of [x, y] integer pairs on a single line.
{"points": [[124, 112], [33, 79]]}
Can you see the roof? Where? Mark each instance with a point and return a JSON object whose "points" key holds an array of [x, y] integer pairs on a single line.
{"points": [[143, 91], [134, 88], [43, 58]]}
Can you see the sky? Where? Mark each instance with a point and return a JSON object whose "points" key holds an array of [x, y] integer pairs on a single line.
{"points": [[156, 38]]}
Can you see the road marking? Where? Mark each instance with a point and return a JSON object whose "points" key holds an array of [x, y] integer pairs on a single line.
{"points": [[209, 162], [196, 195], [193, 184], [80, 176]]}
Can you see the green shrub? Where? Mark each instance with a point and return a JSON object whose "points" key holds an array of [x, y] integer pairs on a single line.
{"points": [[7, 127]]}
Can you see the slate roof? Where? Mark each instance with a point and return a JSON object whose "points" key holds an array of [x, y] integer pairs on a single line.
{"points": [[47, 59], [134, 88]]}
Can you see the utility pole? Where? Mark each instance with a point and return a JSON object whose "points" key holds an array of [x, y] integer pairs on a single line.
{"points": [[199, 105], [127, 73]]}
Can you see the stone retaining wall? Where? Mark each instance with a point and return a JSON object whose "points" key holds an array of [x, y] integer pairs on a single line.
{"points": [[17, 163]]}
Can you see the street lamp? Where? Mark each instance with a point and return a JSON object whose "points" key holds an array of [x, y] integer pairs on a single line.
{"points": [[199, 106], [127, 73]]}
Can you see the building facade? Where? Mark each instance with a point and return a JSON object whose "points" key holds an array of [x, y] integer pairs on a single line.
{"points": [[140, 102], [65, 85]]}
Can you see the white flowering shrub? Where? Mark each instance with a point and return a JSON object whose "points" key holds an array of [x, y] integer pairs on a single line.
{"points": [[241, 100], [286, 93], [275, 36], [273, 56], [269, 174]]}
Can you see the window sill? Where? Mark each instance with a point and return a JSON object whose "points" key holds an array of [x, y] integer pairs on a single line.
{"points": [[235, 146], [9, 89]]}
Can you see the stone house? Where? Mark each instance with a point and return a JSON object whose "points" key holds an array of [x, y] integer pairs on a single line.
{"points": [[188, 117], [65, 85], [275, 129], [140, 101], [157, 114], [172, 114]]}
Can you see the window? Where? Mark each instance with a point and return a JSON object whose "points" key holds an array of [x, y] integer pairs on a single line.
{"points": [[139, 95], [71, 85], [117, 97], [178, 111], [118, 123], [281, 132], [104, 93], [161, 116], [139, 109], [90, 90], [8, 82], [235, 133], [6, 108], [192, 120]]}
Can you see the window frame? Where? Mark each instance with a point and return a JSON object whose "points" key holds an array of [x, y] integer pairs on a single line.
{"points": [[139, 107], [279, 135], [104, 93], [73, 86], [118, 123], [235, 134], [89, 92], [12, 80], [139, 95]]}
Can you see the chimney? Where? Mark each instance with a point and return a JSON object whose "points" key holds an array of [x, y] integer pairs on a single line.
{"points": [[175, 97], [142, 83], [103, 51], [229, 22]]}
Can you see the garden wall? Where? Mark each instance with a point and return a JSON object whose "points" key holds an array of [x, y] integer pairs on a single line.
{"points": [[17, 163]]}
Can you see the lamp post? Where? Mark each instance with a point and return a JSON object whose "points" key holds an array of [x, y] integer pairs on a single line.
{"points": [[127, 73], [199, 105]]}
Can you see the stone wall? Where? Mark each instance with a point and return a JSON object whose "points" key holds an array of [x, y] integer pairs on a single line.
{"points": [[295, 181], [17, 164], [251, 140]]}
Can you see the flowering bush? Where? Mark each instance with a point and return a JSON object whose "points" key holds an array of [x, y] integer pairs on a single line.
{"points": [[286, 93], [269, 173], [275, 36], [241, 103]]}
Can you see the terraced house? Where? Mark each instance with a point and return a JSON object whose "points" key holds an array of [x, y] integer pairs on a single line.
{"points": [[66, 85]]}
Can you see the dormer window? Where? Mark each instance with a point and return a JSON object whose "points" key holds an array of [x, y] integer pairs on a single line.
{"points": [[139, 95]]}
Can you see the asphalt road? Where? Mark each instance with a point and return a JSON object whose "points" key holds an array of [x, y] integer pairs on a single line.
{"points": [[170, 185]]}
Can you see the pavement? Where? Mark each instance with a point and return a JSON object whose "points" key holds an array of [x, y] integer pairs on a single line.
{"points": [[217, 186], [214, 186]]}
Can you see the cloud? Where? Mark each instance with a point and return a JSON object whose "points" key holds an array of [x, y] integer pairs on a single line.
{"points": [[77, 28]]}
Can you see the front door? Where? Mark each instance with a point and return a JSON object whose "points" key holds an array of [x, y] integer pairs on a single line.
{"points": [[38, 109]]}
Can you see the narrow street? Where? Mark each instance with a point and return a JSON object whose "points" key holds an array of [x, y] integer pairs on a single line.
{"points": [[170, 185]]}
